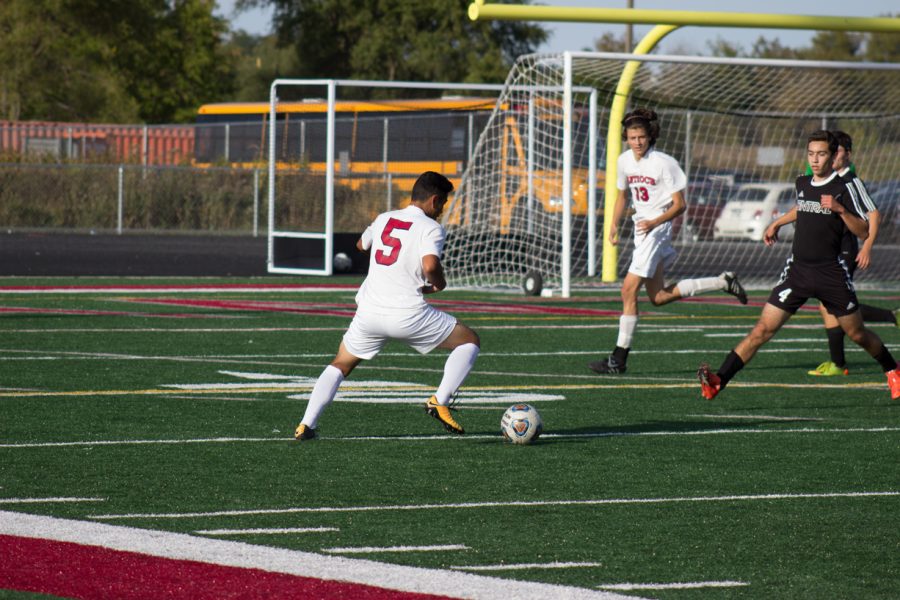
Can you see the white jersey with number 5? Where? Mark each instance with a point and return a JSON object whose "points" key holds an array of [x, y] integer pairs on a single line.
{"points": [[651, 182], [397, 240]]}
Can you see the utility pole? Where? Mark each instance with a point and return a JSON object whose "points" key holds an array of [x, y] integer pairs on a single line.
{"points": [[629, 32]]}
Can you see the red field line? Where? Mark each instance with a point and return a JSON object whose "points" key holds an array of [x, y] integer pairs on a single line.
{"points": [[26, 310], [72, 570], [185, 287], [347, 309]]}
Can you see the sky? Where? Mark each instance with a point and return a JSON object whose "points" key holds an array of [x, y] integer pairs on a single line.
{"points": [[687, 40]]}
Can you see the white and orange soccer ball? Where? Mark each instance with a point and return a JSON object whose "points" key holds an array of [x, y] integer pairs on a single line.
{"points": [[521, 424]]}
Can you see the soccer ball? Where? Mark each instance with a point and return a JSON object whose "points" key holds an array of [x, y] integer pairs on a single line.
{"points": [[521, 424], [342, 263]]}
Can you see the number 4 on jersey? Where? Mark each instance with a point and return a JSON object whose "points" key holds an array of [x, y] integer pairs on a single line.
{"points": [[387, 259]]}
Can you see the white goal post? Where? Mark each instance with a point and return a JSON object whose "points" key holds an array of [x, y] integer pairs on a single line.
{"points": [[737, 126], [341, 151]]}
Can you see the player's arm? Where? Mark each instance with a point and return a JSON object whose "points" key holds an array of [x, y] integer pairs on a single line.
{"points": [[673, 211], [434, 274], [864, 258], [618, 213], [771, 234], [364, 243], [856, 225]]}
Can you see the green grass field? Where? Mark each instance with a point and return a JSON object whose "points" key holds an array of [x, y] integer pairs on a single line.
{"points": [[174, 410]]}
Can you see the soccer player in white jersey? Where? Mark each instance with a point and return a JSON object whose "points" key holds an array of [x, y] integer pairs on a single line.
{"points": [[404, 264], [656, 183]]}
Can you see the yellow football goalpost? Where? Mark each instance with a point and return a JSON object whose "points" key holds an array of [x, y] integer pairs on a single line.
{"points": [[665, 21]]}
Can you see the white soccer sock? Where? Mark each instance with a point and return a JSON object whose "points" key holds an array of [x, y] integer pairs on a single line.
{"points": [[456, 369], [692, 287], [627, 325], [322, 394]]}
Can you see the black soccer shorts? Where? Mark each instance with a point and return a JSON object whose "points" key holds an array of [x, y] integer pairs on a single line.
{"points": [[830, 283]]}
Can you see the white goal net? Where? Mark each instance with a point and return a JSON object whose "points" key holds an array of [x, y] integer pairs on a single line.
{"points": [[738, 127]]}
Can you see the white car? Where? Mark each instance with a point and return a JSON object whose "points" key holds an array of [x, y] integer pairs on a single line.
{"points": [[753, 207]]}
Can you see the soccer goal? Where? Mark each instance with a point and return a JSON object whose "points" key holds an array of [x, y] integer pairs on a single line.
{"points": [[526, 207], [341, 151]]}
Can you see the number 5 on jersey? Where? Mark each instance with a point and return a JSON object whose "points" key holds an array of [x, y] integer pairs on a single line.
{"points": [[389, 258]]}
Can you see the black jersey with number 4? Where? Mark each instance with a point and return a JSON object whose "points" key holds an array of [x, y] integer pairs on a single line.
{"points": [[818, 231]]}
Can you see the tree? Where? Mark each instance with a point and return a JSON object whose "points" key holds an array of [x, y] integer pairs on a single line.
{"points": [[610, 42], [54, 70], [111, 60], [398, 40], [260, 60]]}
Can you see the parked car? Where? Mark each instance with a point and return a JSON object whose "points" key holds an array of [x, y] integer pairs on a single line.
{"points": [[752, 208], [887, 198], [705, 201]]}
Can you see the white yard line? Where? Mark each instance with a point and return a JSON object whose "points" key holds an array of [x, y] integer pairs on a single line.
{"points": [[269, 531], [445, 437], [379, 549], [687, 585], [755, 417], [305, 387], [526, 566], [492, 504], [179, 546], [54, 500]]}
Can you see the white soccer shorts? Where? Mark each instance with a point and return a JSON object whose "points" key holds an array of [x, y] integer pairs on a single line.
{"points": [[423, 330], [651, 250]]}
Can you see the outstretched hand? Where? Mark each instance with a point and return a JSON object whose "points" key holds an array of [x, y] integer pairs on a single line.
{"points": [[771, 235]]}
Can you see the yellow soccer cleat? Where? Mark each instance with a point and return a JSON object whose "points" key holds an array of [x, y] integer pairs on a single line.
{"points": [[828, 369], [304, 433], [442, 414]]}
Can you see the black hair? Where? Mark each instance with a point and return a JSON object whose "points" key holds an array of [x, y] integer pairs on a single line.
{"points": [[824, 136], [641, 117], [430, 184], [843, 139]]}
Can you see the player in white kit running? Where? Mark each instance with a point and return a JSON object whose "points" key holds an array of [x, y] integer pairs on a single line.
{"points": [[656, 183], [404, 264]]}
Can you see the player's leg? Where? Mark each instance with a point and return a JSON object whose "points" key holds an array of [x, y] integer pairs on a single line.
{"points": [[770, 321], [324, 390], [727, 282], [869, 341], [363, 340], [464, 345], [615, 364], [837, 365], [436, 329], [876, 314], [794, 288], [839, 298]]}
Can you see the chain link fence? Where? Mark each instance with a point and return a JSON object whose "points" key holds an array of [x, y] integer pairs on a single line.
{"points": [[121, 198]]}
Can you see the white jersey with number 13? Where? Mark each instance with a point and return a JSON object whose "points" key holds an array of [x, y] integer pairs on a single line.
{"points": [[651, 182]]}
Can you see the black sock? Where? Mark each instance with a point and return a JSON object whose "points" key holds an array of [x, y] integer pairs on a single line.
{"points": [[621, 354], [836, 345], [876, 314], [730, 367], [885, 359]]}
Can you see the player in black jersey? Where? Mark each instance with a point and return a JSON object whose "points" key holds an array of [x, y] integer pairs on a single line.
{"points": [[826, 210], [855, 257], [851, 253]]}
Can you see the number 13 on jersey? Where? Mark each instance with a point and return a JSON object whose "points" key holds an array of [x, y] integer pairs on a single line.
{"points": [[640, 194]]}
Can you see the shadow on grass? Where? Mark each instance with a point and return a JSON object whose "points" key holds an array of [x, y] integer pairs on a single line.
{"points": [[660, 427]]}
